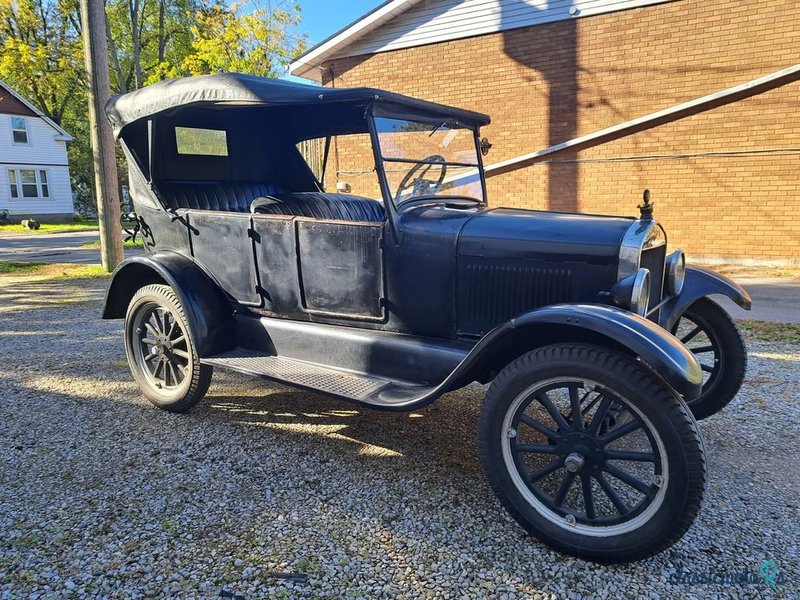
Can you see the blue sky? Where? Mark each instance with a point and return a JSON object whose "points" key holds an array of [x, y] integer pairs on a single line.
{"points": [[321, 18]]}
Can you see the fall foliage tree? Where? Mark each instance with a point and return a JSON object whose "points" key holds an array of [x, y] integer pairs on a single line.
{"points": [[41, 53], [244, 37]]}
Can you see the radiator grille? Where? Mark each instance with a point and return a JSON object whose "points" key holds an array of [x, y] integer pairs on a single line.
{"points": [[490, 294], [653, 259]]}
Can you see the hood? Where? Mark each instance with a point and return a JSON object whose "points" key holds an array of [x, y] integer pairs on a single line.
{"points": [[509, 233]]}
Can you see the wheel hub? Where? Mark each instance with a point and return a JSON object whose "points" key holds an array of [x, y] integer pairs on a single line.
{"points": [[574, 462], [581, 452]]}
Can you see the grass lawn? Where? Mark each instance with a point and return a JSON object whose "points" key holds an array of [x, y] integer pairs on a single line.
{"points": [[75, 226], [43, 271], [767, 331], [129, 245], [790, 270]]}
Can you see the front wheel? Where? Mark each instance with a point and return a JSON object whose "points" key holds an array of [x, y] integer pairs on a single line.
{"points": [[713, 337], [591, 453], [160, 350]]}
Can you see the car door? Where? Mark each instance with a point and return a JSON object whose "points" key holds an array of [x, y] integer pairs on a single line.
{"points": [[341, 268], [222, 244]]}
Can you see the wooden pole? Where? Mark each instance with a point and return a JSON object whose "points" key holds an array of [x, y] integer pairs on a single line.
{"points": [[103, 151]]}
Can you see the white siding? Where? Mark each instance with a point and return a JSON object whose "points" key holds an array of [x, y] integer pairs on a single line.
{"points": [[441, 20], [41, 152]]}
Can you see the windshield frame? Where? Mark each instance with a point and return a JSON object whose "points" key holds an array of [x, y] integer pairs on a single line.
{"points": [[436, 122]]}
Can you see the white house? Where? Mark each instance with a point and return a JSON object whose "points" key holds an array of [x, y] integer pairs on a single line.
{"points": [[34, 169]]}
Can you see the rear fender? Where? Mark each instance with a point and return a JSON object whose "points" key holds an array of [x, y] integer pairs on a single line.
{"points": [[587, 323], [209, 315], [699, 284]]}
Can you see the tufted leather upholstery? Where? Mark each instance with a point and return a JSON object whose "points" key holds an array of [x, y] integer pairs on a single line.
{"points": [[226, 196], [341, 207]]}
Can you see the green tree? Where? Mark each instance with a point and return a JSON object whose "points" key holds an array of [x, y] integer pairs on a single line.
{"points": [[41, 53], [41, 56], [257, 38], [148, 38]]}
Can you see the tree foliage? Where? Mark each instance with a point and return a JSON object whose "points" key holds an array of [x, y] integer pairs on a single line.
{"points": [[41, 52], [251, 38]]}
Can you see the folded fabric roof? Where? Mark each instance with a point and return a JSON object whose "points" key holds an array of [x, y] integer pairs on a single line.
{"points": [[237, 88]]}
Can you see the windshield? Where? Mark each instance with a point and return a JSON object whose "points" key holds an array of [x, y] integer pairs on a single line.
{"points": [[428, 159]]}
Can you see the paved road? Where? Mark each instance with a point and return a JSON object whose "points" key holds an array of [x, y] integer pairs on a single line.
{"points": [[52, 248], [774, 299]]}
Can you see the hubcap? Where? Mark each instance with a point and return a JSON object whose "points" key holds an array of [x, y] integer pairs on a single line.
{"points": [[584, 457]]}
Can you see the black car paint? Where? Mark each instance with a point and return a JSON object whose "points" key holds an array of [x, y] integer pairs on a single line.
{"points": [[208, 311], [700, 283], [445, 293]]}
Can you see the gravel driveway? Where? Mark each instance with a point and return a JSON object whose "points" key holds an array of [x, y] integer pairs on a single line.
{"points": [[102, 495]]}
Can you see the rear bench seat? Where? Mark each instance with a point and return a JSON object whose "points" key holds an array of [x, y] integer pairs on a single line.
{"points": [[226, 196], [339, 207], [267, 198]]}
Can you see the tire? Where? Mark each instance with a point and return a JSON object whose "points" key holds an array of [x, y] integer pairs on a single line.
{"points": [[721, 351], [624, 403], [160, 350]]}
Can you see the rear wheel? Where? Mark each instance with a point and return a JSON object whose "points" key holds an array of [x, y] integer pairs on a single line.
{"points": [[591, 453], [160, 350], [713, 337]]}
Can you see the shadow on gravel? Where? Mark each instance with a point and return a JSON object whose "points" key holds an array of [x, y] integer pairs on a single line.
{"points": [[37, 295], [444, 432]]}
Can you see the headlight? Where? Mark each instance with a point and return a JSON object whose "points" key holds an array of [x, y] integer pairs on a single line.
{"points": [[676, 272], [633, 292]]}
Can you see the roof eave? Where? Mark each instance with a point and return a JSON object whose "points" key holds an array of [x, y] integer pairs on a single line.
{"points": [[313, 57], [62, 135]]}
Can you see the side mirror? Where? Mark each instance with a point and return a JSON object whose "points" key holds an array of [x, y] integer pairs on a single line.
{"points": [[485, 146]]}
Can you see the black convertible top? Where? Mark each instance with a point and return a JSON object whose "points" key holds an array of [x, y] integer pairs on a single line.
{"points": [[237, 88]]}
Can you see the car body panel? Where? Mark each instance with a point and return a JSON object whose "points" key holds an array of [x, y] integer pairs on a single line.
{"points": [[700, 283], [400, 291], [208, 311]]}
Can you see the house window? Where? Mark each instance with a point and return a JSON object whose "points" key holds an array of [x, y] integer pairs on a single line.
{"points": [[12, 178], [43, 187], [19, 130], [29, 183]]}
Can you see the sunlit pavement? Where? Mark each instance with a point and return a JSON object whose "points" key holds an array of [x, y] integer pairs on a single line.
{"points": [[52, 248]]}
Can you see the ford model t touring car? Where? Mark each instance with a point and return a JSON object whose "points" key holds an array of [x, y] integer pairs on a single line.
{"points": [[600, 348]]}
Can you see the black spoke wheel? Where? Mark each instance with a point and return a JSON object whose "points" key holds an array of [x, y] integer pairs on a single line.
{"points": [[160, 350], [591, 453], [715, 340]]}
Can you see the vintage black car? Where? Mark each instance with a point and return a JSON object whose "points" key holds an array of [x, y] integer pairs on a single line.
{"points": [[394, 298]]}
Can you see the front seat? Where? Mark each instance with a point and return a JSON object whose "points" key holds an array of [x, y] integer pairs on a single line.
{"points": [[321, 205]]}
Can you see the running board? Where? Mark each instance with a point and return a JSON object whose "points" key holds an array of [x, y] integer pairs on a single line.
{"points": [[353, 386]]}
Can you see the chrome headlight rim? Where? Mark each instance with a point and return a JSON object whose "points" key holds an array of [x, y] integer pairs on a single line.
{"points": [[640, 292], [676, 272]]}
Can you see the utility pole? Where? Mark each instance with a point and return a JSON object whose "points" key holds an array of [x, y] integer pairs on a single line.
{"points": [[95, 48]]}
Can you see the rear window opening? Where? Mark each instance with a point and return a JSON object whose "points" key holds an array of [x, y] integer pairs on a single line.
{"points": [[201, 142]]}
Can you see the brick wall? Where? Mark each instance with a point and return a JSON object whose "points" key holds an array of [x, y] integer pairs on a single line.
{"points": [[725, 182]]}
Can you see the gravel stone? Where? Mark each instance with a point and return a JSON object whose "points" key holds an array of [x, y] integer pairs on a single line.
{"points": [[104, 496]]}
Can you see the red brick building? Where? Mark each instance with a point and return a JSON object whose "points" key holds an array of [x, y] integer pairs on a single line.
{"points": [[724, 178]]}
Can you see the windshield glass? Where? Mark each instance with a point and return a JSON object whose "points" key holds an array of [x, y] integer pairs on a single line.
{"points": [[428, 159]]}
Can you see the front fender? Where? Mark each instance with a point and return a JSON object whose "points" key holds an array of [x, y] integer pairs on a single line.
{"points": [[700, 283], [209, 315], [600, 324]]}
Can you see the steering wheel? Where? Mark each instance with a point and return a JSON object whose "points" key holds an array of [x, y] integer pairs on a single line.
{"points": [[415, 178]]}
